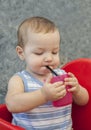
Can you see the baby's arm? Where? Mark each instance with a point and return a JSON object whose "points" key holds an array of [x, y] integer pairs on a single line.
{"points": [[80, 94], [19, 101], [81, 97]]}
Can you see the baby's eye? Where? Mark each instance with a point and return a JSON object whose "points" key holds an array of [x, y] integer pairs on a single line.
{"points": [[54, 53], [38, 53]]}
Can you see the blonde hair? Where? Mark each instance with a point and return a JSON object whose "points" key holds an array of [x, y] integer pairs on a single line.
{"points": [[34, 24]]}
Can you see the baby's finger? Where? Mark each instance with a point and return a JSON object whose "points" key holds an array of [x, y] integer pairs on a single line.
{"points": [[72, 89], [58, 84], [71, 74], [48, 80], [59, 88], [70, 79], [61, 94], [71, 83]]}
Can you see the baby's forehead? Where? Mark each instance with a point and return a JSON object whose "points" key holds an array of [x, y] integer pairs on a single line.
{"points": [[42, 34], [42, 39]]}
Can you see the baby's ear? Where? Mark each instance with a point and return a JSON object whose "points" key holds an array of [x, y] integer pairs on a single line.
{"points": [[20, 52]]}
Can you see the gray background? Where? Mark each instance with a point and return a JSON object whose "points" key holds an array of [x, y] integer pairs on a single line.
{"points": [[73, 17]]}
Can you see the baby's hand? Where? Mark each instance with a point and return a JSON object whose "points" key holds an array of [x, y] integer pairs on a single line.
{"points": [[53, 91], [73, 82]]}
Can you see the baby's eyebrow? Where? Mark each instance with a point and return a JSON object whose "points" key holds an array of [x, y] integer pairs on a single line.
{"points": [[39, 49], [57, 48]]}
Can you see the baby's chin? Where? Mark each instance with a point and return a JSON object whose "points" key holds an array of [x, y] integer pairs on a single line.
{"points": [[44, 71]]}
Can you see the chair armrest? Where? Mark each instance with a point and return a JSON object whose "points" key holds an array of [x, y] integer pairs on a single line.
{"points": [[4, 113], [4, 125]]}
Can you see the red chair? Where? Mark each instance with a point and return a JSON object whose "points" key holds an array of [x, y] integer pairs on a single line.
{"points": [[6, 118], [81, 115]]}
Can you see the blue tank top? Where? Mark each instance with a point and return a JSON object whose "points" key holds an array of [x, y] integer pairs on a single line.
{"points": [[46, 116]]}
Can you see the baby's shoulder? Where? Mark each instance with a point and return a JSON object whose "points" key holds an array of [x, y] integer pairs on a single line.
{"points": [[15, 78]]}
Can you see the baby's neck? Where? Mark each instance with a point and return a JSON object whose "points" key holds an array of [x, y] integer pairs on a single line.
{"points": [[41, 77]]}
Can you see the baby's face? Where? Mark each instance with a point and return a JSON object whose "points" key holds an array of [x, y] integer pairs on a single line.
{"points": [[42, 50]]}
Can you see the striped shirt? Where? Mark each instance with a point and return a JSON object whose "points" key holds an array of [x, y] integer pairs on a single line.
{"points": [[45, 116]]}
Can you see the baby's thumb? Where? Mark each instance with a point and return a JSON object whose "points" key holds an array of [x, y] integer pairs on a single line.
{"points": [[48, 80]]}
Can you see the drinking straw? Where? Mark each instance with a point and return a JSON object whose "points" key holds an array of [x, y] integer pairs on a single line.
{"points": [[52, 71]]}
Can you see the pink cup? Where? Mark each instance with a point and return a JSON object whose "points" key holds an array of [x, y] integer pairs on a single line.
{"points": [[67, 99]]}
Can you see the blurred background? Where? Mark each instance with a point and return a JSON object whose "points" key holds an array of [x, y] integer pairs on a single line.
{"points": [[73, 17]]}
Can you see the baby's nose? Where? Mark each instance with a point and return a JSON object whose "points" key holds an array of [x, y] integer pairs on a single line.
{"points": [[48, 58]]}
